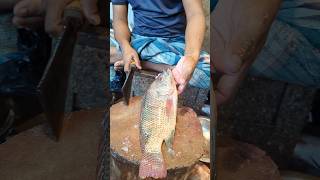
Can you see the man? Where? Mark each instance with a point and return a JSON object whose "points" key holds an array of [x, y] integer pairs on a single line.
{"points": [[225, 61], [164, 32], [277, 39], [30, 13]]}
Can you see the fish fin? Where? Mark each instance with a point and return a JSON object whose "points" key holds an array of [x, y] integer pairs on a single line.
{"points": [[152, 165], [169, 143]]}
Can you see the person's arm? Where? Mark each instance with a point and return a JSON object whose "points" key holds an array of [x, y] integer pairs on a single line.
{"points": [[194, 36], [195, 28], [239, 32], [49, 12], [123, 35], [120, 25]]}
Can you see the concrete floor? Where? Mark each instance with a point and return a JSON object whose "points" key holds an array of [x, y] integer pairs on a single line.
{"points": [[33, 155]]}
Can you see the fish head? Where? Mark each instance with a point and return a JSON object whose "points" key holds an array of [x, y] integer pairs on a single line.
{"points": [[165, 83]]}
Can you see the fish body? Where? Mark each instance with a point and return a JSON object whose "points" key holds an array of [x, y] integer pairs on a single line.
{"points": [[157, 124]]}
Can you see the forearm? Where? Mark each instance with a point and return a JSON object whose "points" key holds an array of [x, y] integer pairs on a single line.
{"points": [[122, 33], [242, 27], [239, 32], [194, 35], [7, 5]]}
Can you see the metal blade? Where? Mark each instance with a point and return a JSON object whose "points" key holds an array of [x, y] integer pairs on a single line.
{"points": [[54, 83], [126, 88]]}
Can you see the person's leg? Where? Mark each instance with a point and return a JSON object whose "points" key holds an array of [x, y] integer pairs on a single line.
{"points": [[302, 15], [8, 35], [201, 75], [289, 55], [169, 51]]}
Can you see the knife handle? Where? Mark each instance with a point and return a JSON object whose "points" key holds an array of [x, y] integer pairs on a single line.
{"points": [[133, 65], [73, 13]]}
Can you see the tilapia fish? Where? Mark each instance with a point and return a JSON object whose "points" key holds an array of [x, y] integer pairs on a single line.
{"points": [[157, 124]]}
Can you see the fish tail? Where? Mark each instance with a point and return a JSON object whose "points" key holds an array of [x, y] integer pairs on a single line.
{"points": [[152, 165]]}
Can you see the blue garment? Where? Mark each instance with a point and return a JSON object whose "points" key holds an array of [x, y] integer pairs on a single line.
{"points": [[156, 18], [292, 49], [304, 16], [288, 56], [169, 51]]}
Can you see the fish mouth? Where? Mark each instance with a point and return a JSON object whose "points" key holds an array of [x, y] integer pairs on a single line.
{"points": [[167, 72], [164, 73], [173, 81], [166, 82]]}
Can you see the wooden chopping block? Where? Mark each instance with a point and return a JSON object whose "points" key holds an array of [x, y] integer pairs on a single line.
{"points": [[125, 145], [242, 161]]}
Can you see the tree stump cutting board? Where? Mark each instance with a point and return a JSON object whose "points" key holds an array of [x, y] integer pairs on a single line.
{"points": [[125, 145]]}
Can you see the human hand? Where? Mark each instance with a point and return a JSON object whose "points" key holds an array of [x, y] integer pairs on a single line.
{"points": [[238, 35], [231, 71], [31, 13], [183, 72], [129, 55]]}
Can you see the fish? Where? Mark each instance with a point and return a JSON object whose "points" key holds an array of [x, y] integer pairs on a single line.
{"points": [[157, 124]]}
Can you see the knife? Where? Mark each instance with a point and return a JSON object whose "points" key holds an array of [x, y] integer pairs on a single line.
{"points": [[54, 84], [126, 88]]}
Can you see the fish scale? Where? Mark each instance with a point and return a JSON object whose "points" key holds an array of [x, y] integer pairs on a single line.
{"points": [[157, 124], [155, 110]]}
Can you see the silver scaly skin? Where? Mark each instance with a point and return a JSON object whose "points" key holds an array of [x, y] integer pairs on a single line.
{"points": [[157, 124]]}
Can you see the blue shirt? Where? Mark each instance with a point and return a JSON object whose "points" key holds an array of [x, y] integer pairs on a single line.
{"points": [[157, 18]]}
